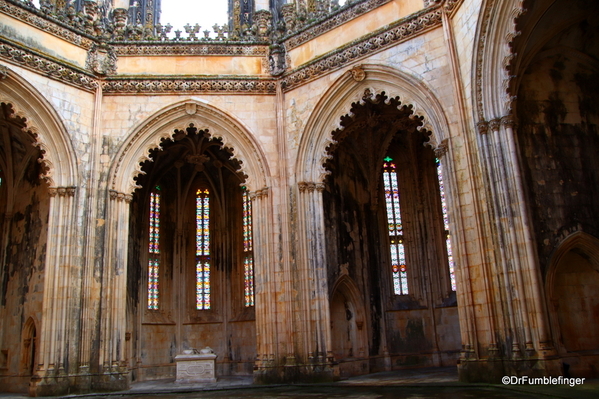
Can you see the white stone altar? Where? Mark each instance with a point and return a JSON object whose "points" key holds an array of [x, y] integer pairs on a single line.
{"points": [[196, 366]]}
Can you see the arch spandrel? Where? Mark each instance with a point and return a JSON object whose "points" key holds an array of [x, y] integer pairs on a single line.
{"points": [[162, 125], [43, 122], [350, 88]]}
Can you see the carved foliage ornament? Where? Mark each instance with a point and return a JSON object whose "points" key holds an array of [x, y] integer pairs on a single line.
{"points": [[358, 73], [377, 41], [189, 85], [45, 66], [101, 60]]}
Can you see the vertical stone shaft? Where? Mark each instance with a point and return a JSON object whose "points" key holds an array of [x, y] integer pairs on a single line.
{"points": [[506, 186], [53, 333], [312, 267], [266, 306], [531, 269], [114, 283], [470, 338], [284, 221]]}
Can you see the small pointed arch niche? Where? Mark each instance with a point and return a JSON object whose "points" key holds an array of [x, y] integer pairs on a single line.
{"points": [[29, 347]]}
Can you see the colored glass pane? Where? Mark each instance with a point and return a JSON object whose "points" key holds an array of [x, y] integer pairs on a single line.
{"points": [[247, 222], [248, 266], [154, 250], [248, 262], [398, 256], [203, 249], [446, 226]]}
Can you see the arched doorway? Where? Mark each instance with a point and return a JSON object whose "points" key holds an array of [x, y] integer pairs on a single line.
{"points": [[190, 281], [573, 292], [347, 329]]}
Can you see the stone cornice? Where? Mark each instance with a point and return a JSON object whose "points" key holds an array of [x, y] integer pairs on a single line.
{"points": [[189, 48], [402, 30], [45, 23], [188, 85], [334, 20], [47, 66]]}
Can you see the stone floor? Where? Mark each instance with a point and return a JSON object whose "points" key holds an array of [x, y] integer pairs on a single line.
{"points": [[433, 383]]}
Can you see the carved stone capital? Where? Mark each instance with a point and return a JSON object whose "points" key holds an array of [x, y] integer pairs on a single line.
{"points": [[495, 124], [258, 194], [483, 127], [71, 191], [442, 149], [508, 121], [262, 193], [306, 186]]}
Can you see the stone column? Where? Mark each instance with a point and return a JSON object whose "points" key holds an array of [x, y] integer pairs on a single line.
{"points": [[265, 287], [529, 270], [114, 289], [504, 221], [311, 266], [56, 323]]}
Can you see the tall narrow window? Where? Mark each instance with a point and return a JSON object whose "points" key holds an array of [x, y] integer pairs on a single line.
{"points": [[203, 249], [154, 250], [398, 257], [446, 225], [248, 252]]}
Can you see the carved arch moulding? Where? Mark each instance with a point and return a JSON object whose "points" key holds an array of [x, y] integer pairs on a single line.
{"points": [[355, 86], [494, 55], [162, 125], [59, 164]]}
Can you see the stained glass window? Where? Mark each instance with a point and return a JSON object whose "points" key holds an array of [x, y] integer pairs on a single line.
{"points": [[203, 249], [248, 256], [446, 225], [398, 256], [154, 250]]}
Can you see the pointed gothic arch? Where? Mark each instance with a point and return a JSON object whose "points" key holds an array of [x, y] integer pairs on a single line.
{"points": [[403, 104], [163, 123], [496, 29], [58, 154], [350, 88], [148, 137]]}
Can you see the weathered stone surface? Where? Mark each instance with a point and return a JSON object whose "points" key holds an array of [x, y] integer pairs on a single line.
{"points": [[98, 110]]}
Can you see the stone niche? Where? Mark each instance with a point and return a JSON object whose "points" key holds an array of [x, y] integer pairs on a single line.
{"points": [[196, 366]]}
